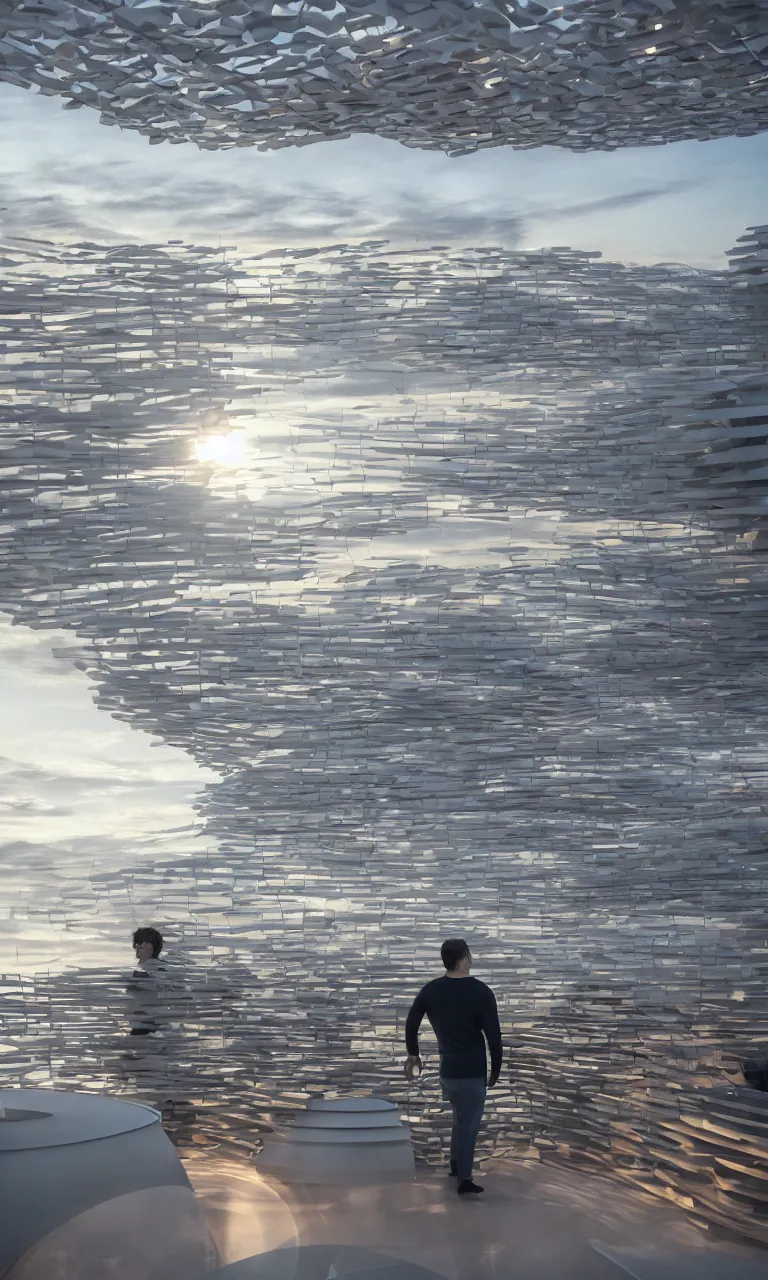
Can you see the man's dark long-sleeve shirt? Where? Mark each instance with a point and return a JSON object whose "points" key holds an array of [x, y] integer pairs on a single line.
{"points": [[461, 1011]]}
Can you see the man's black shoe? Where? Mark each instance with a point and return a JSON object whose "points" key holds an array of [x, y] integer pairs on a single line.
{"points": [[469, 1188], [453, 1171]]}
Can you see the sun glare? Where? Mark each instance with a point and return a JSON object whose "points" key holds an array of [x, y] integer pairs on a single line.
{"points": [[223, 451]]}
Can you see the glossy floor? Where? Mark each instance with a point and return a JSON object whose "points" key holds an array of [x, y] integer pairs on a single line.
{"points": [[530, 1223]]}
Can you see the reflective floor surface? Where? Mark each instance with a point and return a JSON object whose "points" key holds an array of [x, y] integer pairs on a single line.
{"points": [[531, 1223]]}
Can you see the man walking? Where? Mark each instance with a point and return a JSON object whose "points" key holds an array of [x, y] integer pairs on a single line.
{"points": [[462, 1011]]}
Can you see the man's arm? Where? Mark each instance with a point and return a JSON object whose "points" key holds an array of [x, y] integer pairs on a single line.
{"points": [[412, 1024], [492, 1032]]}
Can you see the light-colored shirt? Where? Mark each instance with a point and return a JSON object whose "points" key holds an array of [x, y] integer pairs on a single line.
{"points": [[147, 995]]}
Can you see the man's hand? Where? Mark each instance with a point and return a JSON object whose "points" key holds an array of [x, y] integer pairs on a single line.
{"points": [[493, 1080], [412, 1062]]}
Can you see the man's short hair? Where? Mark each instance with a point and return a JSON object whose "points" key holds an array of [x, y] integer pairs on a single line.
{"points": [[452, 952], [152, 936]]}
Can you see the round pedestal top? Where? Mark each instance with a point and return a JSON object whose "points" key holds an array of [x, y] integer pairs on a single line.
{"points": [[54, 1118]]}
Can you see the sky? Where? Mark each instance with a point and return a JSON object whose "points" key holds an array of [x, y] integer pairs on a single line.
{"points": [[81, 796], [64, 175], [75, 784]]}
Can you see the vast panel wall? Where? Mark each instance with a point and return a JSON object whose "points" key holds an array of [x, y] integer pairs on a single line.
{"points": [[450, 74], [475, 641]]}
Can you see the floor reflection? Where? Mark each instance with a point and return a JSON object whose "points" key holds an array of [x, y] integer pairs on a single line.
{"points": [[530, 1223]]}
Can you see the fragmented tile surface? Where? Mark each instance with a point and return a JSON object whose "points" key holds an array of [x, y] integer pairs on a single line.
{"points": [[475, 637], [450, 74]]}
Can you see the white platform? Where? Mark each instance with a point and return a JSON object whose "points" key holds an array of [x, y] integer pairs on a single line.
{"points": [[86, 1178], [53, 1118], [340, 1141]]}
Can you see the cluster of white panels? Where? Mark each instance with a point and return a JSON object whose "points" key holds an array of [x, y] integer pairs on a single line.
{"points": [[442, 74], [476, 645]]}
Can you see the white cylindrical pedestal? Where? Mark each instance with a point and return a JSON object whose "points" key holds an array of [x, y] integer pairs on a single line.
{"points": [[92, 1186], [342, 1140]]}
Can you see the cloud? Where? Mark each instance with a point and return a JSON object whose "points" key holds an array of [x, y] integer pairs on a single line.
{"points": [[112, 202], [89, 194], [623, 200], [31, 805], [45, 655], [104, 202], [47, 217], [73, 778]]}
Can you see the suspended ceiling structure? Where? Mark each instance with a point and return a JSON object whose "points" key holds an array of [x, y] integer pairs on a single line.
{"points": [[453, 75]]}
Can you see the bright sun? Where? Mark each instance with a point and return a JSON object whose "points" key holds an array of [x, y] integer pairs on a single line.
{"points": [[224, 451]]}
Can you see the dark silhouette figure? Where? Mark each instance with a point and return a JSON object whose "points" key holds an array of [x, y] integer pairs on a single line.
{"points": [[463, 1015]]}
